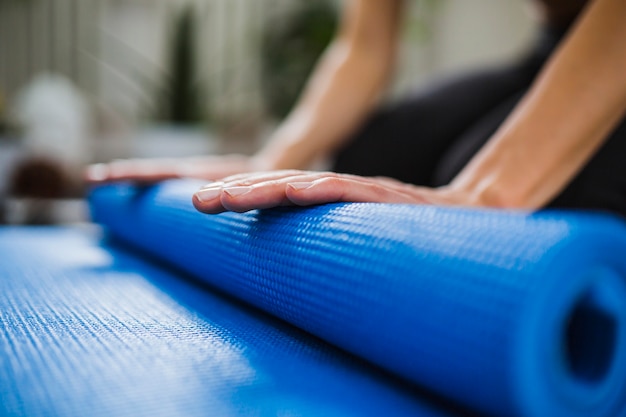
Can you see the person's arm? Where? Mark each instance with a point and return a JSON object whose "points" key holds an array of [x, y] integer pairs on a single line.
{"points": [[577, 99], [344, 87], [342, 91]]}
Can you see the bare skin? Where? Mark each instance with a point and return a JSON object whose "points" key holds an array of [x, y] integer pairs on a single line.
{"points": [[343, 90], [575, 102], [159, 169], [245, 192]]}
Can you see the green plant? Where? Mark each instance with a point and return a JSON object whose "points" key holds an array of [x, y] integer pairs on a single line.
{"points": [[181, 95], [290, 48]]}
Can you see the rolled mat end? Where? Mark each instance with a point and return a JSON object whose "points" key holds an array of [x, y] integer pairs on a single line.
{"points": [[580, 368]]}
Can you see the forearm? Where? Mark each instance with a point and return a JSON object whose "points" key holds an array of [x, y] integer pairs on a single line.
{"points": [[572, 107], [344, 88], [336, 100]]}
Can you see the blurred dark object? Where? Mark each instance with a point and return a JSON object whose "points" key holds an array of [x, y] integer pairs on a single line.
{"points": [[36, 185], [181, 97], [290, 48], [10, 152], [39, 177]]}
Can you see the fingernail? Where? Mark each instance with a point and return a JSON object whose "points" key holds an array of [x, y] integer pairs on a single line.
{"points": [[213, 184], [97, 172], [300, 185], [237, 191], [207, 194]]}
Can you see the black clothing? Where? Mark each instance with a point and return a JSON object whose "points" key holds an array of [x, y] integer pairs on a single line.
{"points": [[428, 137]]}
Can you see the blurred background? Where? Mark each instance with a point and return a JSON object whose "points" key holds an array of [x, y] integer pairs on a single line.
{"points": [[85, 81]]}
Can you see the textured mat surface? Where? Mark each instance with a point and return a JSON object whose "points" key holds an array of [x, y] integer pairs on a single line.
{"points": [[508, 314], [89, 330]]}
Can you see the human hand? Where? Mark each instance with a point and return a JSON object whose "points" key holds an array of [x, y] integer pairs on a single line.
{"points": [[245, 192], [154, 170]]}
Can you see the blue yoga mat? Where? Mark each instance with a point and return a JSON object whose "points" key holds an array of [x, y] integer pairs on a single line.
{"points": [[89, 329], [508, 314]]}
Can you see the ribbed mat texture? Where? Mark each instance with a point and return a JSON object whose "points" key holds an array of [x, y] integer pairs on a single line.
{"points": [[508, 314], [91, 330]]}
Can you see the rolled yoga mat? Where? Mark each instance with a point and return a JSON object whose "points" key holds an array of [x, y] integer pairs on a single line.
{"points": [[509, 314]]}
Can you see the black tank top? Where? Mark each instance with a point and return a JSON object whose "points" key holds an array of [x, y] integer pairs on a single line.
{"points": [[559, 14]]}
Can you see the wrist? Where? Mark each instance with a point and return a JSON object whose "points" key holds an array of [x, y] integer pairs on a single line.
{"points": [[260, 162], [283, 152], [495, 186]]}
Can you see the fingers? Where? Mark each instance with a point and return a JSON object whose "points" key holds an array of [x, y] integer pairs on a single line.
{"points": [[251, 178], [136, 170], [341, 189], [153, 170], [246, 192]]}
